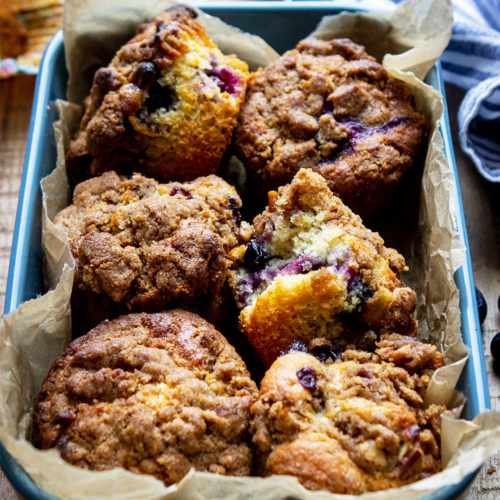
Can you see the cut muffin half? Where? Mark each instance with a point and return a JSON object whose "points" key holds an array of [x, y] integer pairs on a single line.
{"points": [[313, 274], [165, 106]]}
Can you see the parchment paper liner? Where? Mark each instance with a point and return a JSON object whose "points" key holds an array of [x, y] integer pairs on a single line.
{"points": [[32, 336]]}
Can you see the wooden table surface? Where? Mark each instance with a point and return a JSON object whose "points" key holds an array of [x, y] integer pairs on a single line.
{"points": [[481, 202]]}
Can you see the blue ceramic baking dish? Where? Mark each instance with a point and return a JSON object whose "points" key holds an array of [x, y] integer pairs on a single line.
{"points": [[286, 24]]}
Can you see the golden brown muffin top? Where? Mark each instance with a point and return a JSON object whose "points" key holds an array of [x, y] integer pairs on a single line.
{"points": [[354, 425], [153, 393], [141, 245], [329, 106]]}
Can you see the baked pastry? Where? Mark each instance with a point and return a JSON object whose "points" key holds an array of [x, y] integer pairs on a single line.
{"points": [[354, 425], [153, 393], [165, 106], [13, 34], [312, 272], [143, 246], [329, 106], [26, 27]]}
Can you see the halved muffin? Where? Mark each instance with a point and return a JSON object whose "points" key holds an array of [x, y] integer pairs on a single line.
{"points": [[313, 273], [165, 106]]}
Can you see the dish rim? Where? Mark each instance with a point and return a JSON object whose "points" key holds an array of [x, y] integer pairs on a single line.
{"points": [[474, 372]]}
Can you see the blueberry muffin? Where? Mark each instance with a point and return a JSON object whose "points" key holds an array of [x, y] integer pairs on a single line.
{"points": [[153, 393], [312, 272], [143, 246], [13, 34], [329, 106], [165, 106], [354, 425]]}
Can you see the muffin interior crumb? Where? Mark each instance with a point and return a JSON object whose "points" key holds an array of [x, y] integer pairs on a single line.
{"points": [[300, 246], [199, 71], [311, 270]]}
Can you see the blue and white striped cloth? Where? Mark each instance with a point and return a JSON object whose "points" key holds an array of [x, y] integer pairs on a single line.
{"points": [[472, 62]]}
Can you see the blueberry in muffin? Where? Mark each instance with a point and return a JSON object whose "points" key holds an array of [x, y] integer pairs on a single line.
{"points": [[165, 106], [354, 425], [329, 106], [143, 246], [313, 273], [153, 393]]}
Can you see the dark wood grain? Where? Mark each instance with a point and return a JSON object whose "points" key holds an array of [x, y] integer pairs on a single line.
{"points": [[16, 95], [481, 201]]}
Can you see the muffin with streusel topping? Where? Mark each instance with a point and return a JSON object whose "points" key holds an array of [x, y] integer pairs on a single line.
{"points": [[154, 393], [313, 273], [353, 425], [139, 245], [165, 106], [329, 106]]}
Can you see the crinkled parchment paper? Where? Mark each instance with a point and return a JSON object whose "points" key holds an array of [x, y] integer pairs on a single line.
{"points": [[31, 337]]}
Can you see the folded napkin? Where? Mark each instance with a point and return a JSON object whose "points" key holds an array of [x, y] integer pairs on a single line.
{"points": [[472, 61]]}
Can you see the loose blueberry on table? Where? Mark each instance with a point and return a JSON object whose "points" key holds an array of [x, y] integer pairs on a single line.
{"points": [[482, 307], [495, 347], [495, 352]]}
